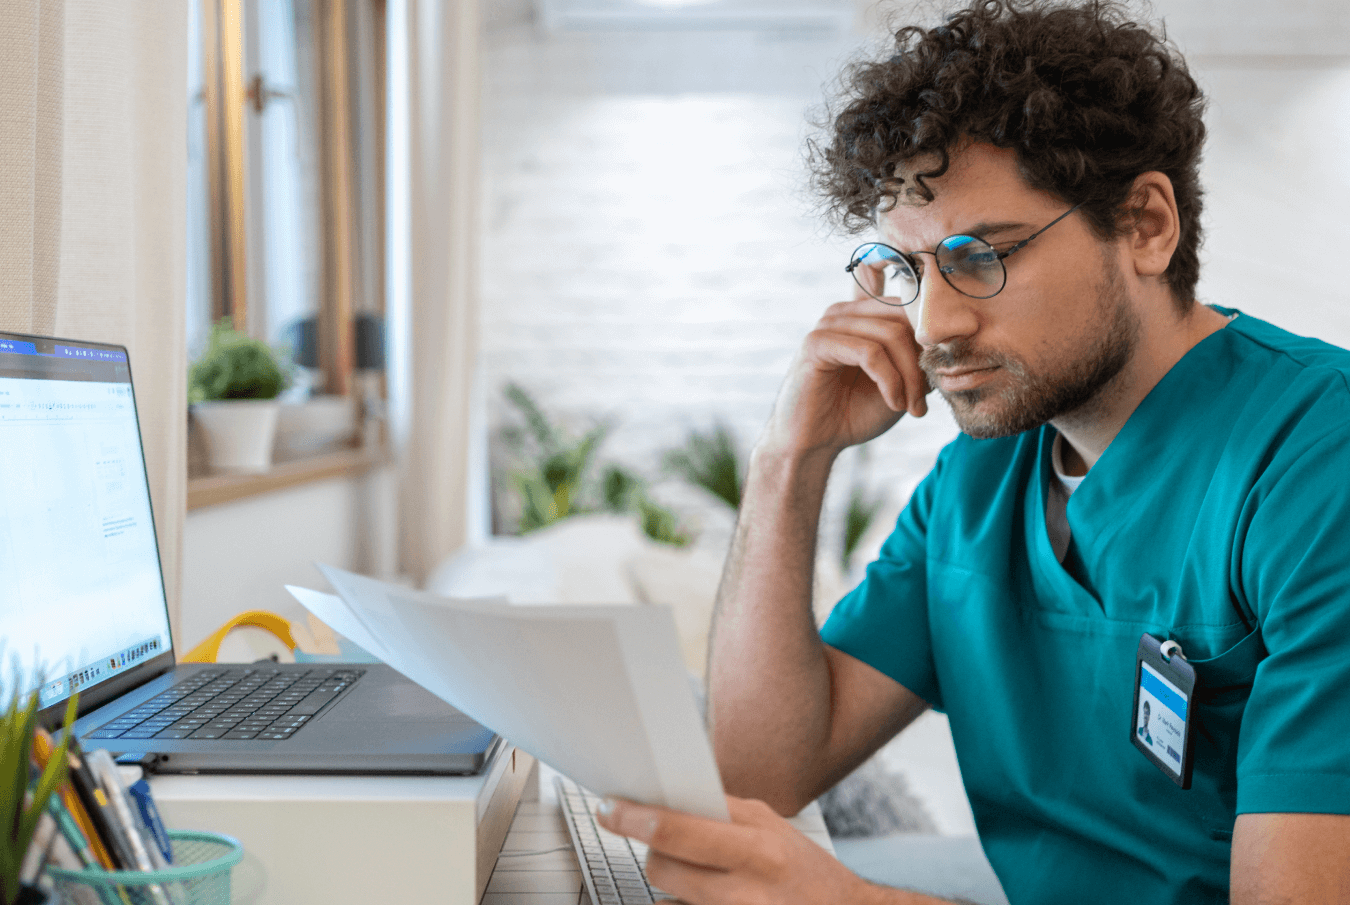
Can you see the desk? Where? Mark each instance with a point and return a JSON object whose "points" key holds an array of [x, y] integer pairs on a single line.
{"points": [[555, 878]]}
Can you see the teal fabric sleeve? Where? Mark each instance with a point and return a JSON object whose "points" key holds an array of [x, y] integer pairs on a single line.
{"points": [[1294, 744], [884, 620]]}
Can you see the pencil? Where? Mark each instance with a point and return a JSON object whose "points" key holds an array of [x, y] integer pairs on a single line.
{"points": [[42, 750]]}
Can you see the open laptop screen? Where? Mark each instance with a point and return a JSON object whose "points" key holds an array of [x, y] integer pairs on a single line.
{"points": [[81, 593]]}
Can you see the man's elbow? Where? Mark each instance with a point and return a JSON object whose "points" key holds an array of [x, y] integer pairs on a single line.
{"points": [[761, 783]]}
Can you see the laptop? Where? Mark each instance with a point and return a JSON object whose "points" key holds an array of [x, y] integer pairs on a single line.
{"points": [[83, 607]]}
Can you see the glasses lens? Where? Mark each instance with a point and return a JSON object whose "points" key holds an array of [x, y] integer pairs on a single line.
{"points": [[971, 266], [884, 274]]}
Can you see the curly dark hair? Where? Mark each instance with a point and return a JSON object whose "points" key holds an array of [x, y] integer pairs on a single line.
{"points": [[1086, 98]]}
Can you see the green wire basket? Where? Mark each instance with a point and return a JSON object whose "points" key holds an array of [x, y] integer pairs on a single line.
{"points": [[199, 875]]}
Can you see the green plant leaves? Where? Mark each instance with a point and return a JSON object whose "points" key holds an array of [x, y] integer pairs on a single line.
{"points": [[235, 366], [862, 509], [18, 821], [552, 484], [711, 461], [620, 488], [661, 524], [554, 480]]}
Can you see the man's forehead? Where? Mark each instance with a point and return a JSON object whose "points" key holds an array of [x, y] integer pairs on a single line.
{"points": [[982, 185], [907, 174]]}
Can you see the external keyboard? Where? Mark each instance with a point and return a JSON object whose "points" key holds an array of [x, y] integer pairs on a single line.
{"points": [[611, 865], [233, 703]]}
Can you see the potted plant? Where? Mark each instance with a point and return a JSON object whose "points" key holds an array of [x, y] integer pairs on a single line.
{"points": [[555, 481], [21, 801], [233, 389]]}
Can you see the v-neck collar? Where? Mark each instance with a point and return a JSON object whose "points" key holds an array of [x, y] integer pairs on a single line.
{"points": [[1131, 457]]}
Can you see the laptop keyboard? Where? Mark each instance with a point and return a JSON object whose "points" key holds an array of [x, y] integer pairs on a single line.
{"points": [[612, 865], [233, 703]]}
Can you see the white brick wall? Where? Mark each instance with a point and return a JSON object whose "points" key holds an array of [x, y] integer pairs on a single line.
{"points": [[650, 255]]}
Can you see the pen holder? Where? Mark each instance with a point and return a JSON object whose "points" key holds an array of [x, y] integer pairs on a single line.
{"points": [[199, 875]]}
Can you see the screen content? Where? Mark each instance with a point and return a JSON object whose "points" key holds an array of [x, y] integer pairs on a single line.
{"points": [[1161, 719], [81, 594]]}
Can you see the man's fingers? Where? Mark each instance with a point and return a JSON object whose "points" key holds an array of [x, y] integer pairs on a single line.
{"points": [[872, 356], [896, 336], [684, 837], [867, 307], [693, 883], [870, 276], [757, 857]]}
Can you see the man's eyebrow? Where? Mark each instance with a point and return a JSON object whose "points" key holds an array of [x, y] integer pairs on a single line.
{"points": [[993, 228], [983, 230]]}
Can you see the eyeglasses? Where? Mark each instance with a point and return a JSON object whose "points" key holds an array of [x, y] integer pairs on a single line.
{"points": [[969, 264]]}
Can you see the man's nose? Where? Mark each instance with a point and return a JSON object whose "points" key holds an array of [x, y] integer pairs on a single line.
{"points": [[943, 314]]}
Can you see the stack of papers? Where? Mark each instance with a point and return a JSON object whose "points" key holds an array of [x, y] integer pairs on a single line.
{"points": [[599, 693]]}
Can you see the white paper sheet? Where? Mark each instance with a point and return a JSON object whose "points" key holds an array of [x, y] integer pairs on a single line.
{"points": [[597, 692]]}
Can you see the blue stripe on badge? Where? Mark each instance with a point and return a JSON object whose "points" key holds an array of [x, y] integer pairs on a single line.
{"points": [[1166, 696]]}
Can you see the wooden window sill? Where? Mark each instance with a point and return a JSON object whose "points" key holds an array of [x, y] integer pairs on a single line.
{"points": [[212, 490]]}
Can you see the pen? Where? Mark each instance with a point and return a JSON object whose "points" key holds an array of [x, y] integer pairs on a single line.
{"points": [[79, 844], [154, 824], [122, 819], [39, 850], [66, 824], [43, 750]]}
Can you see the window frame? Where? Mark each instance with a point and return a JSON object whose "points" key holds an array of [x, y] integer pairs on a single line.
{"points": [[349, 110]]}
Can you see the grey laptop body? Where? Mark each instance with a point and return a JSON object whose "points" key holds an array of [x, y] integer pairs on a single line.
{"points": [[83, 607]]}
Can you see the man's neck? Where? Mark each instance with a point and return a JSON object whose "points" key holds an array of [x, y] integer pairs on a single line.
{"points": [[1089, 430]]}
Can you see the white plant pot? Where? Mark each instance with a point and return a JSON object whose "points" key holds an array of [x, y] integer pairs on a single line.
{"points": [[239, 433]]}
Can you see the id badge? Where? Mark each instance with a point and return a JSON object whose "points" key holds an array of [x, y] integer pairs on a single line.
{"points": [[1164, 689]]}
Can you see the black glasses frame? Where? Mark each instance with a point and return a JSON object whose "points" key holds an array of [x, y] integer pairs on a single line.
{"points": [[908, 257]]}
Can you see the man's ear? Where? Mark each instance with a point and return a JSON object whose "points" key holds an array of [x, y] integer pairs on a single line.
{"points": [[1153, 225]]}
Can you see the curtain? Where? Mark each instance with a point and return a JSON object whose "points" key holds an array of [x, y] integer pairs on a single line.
{"points": [[443, 58], [93, 132]]}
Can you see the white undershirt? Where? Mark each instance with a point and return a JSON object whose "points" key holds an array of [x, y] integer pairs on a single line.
{"points": [[1057, 499]]}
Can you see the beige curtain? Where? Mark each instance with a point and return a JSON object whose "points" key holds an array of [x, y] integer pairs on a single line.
{"points": [[93, 136], [443, 108]]}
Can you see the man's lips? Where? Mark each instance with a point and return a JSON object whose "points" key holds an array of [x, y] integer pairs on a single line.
{"points": [[957, 379], [957, 372]]}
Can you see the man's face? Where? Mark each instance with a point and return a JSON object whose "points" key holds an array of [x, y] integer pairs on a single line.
{"points": [[1062, 328]]}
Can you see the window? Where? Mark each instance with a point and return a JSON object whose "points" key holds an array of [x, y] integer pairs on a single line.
{"points": [[285, 194]]}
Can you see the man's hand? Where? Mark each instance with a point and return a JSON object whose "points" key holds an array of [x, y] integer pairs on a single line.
{"points": [[757, 859], [855, 374]]}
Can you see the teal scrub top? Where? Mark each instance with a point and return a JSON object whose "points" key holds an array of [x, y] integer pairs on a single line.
{"points": [[1218, 517]]}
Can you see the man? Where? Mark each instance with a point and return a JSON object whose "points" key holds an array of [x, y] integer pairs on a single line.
{"points": [[1134, 466]]}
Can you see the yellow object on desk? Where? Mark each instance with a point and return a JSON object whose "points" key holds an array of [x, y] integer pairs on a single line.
{"points": [[208, 650]]}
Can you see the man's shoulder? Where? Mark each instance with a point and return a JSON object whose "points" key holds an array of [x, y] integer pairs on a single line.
{"points": [[1007, 450], [977, 467], [1285, 392], [1305, 357]]}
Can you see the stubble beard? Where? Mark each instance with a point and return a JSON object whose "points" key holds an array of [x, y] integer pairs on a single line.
{"points": [[1029, 400]]}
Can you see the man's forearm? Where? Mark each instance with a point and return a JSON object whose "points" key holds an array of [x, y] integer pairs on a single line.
{"points": [[886, 895], [768, 681]]}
